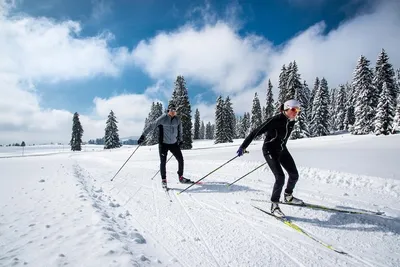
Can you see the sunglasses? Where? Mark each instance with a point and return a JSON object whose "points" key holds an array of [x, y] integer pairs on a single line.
{"points": [[297, 109]]}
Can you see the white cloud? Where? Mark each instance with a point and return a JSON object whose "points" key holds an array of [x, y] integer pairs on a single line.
{"points": [[214, 55], [217, 56], [45, 50]]}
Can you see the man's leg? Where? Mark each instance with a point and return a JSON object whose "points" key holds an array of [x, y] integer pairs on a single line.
{"points": [[289, 165], [163, 151], [176, 151]]}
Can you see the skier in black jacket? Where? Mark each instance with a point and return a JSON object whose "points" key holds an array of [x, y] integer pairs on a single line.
{"points": [[278, 129]]}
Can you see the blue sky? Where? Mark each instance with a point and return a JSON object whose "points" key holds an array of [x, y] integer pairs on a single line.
{"points": [[93, 55], [132, 21]]}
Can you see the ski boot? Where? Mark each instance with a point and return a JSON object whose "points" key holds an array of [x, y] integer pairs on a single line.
{"points": [[184, 180], [276, 211], [290, 199], [164, 183]]}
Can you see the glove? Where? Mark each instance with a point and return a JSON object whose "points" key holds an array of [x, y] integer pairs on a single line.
{"points": [[141, 139], [241, 151]]}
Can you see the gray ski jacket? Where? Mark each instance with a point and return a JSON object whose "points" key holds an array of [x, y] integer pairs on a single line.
{"points": [[170, 129]]}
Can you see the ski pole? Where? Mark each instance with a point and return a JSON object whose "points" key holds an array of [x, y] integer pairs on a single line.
{"points": [[159, 170], [207, 174], [247, 174], [125, 163]]}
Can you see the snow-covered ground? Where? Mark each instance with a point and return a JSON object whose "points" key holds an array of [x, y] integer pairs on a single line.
{"points": [[62, 209]]}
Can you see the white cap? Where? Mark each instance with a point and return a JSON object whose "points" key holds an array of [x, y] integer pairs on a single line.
{"points": [[292, 103]]}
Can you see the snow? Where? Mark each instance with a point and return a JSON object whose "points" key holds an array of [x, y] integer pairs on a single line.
{"points": [[62, 209]]}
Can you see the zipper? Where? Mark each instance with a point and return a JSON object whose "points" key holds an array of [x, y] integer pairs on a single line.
{"points": [[287, 123]]}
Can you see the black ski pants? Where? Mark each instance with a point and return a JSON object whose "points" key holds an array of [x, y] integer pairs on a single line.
{"points": [[176, 151], [277, 160]]}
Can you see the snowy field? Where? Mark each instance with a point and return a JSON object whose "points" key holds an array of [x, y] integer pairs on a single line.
{"points": [[41, 150], [62, 209]]}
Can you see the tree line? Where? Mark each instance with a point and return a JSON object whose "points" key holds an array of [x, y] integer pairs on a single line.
{"points": [[368, 104]]}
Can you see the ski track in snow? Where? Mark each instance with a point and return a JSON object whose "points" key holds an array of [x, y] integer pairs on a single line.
{"points": [[184, 205], [131, 221]]}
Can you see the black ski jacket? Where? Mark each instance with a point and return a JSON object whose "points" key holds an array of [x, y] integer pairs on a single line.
{"points": [[277, 129]]}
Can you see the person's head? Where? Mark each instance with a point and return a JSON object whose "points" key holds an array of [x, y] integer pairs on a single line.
{"points": [[171, 109], [291, 108]]}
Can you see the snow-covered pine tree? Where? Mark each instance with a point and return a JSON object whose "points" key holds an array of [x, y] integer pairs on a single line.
{"points": [[196, 125], [111, 136], [282, 85], [320, 117], [332, 108], [202, 130], [77, 133], [180, 98], [312, 96], [349, 118], [293, 83], [269, 107], [384, 73], [301, 129], [238, 127], [256, 117], [246, 124], [398, 82], [155, 112], [396, 121], [340, 111], [385, 112], [364, 90], [305, 108], [228, 120], [219, 121], [209, 131]]}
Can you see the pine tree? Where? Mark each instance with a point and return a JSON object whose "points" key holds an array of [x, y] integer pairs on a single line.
{"points": [[293, 84], [246, 125], [180, 98], [229, 120], [77, 133], [332, 108], [305, 108], [385, 112], [313, 93], [219, 121], [269, 108], [349, 108], [256, 118], [202, 130], [196, 125], [320, 117], [384, 73], [301, 129], [363, 88], [340, 111], [396, 121], [209, 131], [111, 137], [397, 82], [238, 127], [156, 111], [283, 77]]}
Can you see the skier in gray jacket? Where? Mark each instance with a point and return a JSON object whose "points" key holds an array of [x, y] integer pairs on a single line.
{"points": [[170, 137]]}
